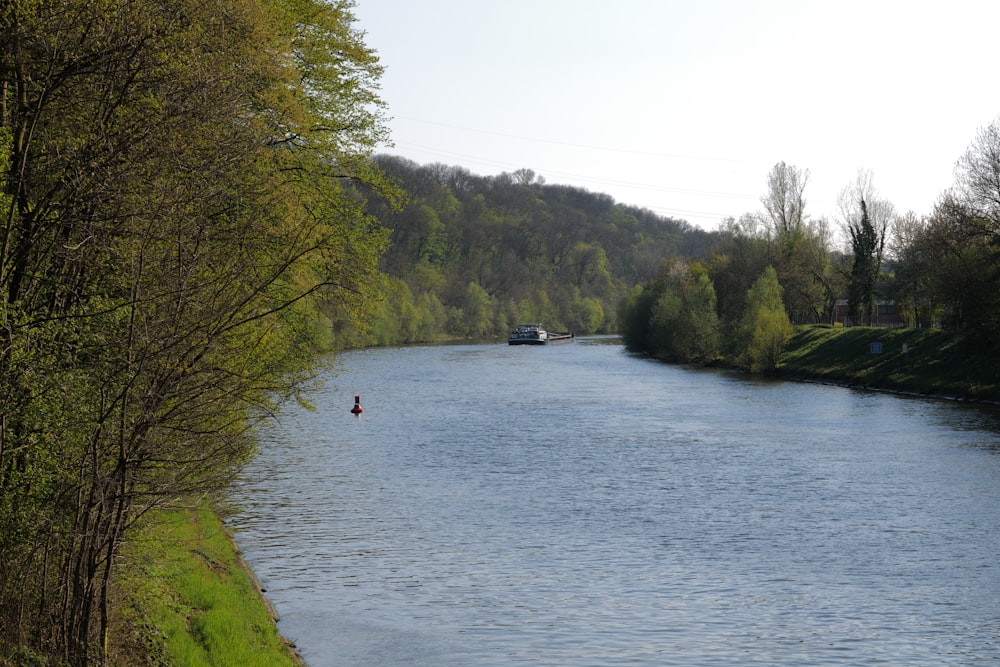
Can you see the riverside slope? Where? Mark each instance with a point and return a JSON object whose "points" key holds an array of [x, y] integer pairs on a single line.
{"points": [[926, 362]]}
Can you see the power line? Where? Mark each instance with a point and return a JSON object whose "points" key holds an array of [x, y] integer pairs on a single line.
{"points": [[576, 145], [594, 179], [674, 212]]}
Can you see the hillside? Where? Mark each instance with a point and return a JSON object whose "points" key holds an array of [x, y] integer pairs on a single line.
{"points": [[471, 256], [932, 362]]}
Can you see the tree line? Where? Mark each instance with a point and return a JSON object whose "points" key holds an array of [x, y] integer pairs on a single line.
{"points": [[191, 211], [471, 256], [778, 267], [180, 232]]}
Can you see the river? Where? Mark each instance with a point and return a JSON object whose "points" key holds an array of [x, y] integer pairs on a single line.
{"points": [[578, 506]]}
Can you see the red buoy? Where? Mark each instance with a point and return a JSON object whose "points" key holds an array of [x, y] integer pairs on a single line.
{"points": [[357, 409]]}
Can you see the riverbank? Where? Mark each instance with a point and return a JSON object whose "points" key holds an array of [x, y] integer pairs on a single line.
{"points": [[192, 601], [188, 598], [925, 362]]}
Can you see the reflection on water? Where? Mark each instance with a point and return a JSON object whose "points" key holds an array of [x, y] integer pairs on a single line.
{"points": [[576, 506]]}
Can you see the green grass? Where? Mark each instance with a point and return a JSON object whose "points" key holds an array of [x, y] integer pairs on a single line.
{"points": [[923, 361], [188, 600]]}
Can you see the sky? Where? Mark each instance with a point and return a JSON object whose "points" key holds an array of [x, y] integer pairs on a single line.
{"points": [[684, 107]]}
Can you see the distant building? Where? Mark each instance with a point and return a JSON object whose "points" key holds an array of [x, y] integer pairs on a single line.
{"points": [[885, 314]]}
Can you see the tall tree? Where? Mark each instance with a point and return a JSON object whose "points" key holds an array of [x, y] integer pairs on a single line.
{"points": [[867, 219], [963, 237], [864, 268], [798, 252], [175, 212], [784, 201], [914, 264], [742, 255], [977, 179]]}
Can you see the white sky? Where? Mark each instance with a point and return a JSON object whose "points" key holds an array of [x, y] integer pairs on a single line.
{"points": [[683, 107]]}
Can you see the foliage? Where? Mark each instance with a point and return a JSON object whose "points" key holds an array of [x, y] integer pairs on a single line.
{"points": [[634, 317], [785, 237], [977, 179], [488, 252], [916, 261], [784, 202], [867, 218], [969, 217], [947, 265], [176, 232], [191, 209], [675, 316], [764, 328], [939, 270], [864, 268]]}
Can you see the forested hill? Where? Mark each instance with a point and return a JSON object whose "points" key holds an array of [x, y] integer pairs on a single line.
{"points": [[473, 255]]}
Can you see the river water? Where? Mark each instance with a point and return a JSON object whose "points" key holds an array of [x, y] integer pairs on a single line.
{"points": [[577, 506]]}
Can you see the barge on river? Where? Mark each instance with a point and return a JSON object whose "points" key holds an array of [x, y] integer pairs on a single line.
{"points": [[534, 334]]}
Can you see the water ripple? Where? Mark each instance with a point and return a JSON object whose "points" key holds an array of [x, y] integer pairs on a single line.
{"points": [[577, 506]]}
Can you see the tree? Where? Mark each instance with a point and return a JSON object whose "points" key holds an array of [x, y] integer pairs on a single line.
{"points": [[175, 216], [701, 326], [516, 238], [474, 319], [588, 315], [797, 246], [587, 266], [765, 328], [967, 220], [742, 255], [977, 179], [864, 268], [634, 316], [914, 263], [784, 202], [866, 218], [683, 322]]}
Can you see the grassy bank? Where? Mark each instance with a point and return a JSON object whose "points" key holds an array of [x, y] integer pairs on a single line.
{"points": [[187, 599], [932, 362]]}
